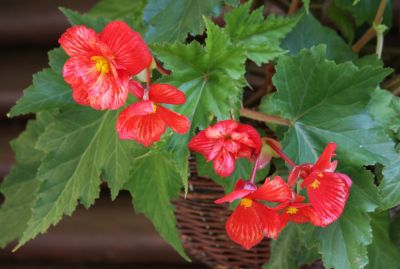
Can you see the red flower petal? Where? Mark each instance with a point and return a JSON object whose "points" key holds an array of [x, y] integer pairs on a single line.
{"points": [[80, 41], [99, 90], [269, 219], [247, 135], [245, 152], [224, 163], [221, 129], [166, 94], [244, 225], [275, 190], [327, 193], [299, 171], [297, 213], [130, 51], [139, 123], [231, 146], [175, 121], [242, 188], [209, 148], [324, 161], [136, 89]]}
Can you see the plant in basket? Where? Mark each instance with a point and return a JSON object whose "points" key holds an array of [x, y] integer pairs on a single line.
{"points": [[289, 127]]}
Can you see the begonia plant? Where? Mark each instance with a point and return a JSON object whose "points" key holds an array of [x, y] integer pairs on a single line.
{"points": [[137, 87]]}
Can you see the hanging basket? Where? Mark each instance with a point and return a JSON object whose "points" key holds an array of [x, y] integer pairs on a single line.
{"points": [[202, 226]]}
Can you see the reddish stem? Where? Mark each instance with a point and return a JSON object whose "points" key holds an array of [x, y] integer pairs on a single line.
{"points": [[254, 172], [281, 153], [148, 82], [162, 70]]}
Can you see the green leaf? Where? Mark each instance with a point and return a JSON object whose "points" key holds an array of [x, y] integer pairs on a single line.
{"points": [[243, 170], [57, 59], [153, 182], [258, 37], [212, 79], [327, 102], [172, 20], [75, 18], [365, 10], [394, 230], [49, 91], [364, 193], [83, 147], [343, 243], [309, 32], [306, 4], [385, 108], [291, 249], [129, 11], [390, 185], [343, 21], [118, 9], [20, 186], [382, 253], [210, 76]]}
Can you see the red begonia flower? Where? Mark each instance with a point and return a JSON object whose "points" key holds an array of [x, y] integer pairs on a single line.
{"points": [[298, 212], [252, 220], [327, 193], [101, 64], [225, 142], [327, 190], [146, 120]]}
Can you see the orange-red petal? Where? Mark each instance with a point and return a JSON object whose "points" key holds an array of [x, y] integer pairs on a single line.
{"points": [[275, 190], [248, 135], [324, 161], [245, 227], [250, 222], [221, 129], [224, 163], [327, 193], [178, 123], [166, 94], [209, 148], [80, 41], [139, 123], [242, 188], [136, 89], [92, 88], [130, 52]]}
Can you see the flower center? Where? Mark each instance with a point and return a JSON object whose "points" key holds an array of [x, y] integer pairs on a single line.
{"points": [[246, 202], [292, 210], [154, 108], [102, 64], [315, 184]]}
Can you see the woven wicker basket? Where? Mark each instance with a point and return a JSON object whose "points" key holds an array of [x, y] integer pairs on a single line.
{"points": [[202, 227]]}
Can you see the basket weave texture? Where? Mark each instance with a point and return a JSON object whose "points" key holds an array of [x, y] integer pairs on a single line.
{"points": [[202, 227]]}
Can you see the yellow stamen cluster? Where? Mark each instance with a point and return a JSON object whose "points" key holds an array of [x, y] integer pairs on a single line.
{"points": [[154, 108], [292, 210], [102, 64], [315, 184], [246, 202]]}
